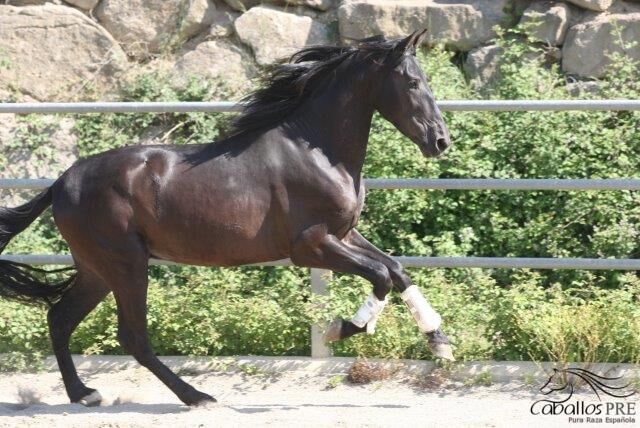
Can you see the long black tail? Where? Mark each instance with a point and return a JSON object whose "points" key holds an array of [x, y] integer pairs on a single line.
{"points": [[19, 281]]}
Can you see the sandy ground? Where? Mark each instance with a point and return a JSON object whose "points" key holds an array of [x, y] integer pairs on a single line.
{"points": [[133, 397]]}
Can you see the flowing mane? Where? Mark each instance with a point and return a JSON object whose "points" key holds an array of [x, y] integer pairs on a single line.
{"points": [[284, 86]]}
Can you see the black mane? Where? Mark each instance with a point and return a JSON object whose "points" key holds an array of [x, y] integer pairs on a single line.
{"points": [[287, 84]]}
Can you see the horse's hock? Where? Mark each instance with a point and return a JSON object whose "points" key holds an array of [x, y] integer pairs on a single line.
{"points": [[97, 44]]}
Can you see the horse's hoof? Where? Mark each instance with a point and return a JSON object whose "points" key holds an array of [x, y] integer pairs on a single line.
{"points": [[442, 350], [440, 345], [91, 400], [201, 399], [333, 332]]}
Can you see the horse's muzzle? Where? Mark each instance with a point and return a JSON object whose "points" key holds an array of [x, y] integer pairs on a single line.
{"points": [[436, 148]]}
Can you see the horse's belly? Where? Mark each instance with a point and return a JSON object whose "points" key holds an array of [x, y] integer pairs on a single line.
{"points": [[219, 254], [225, 234]]}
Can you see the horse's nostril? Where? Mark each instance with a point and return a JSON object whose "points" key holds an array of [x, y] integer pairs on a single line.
{"points": [[442, 143]]}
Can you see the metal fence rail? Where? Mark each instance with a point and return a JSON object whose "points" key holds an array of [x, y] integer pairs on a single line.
{"points": [[428, 183], [407, 261], [227, 106], [318, 277]]}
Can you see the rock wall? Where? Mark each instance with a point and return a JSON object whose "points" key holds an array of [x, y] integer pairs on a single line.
{"points": [[54, 50]]}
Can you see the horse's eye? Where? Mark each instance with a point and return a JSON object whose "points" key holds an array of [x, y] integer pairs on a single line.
{"points": [[413, 84]]}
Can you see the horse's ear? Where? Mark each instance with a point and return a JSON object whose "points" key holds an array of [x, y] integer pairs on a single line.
{"points": [[419, 39], [410, 43]]}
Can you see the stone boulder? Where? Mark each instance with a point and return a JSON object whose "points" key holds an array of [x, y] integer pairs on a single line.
{"points": [[546, 21], [318, 4], [146, 27], [142, 27], [598, 5], [221, 60], [28, 2], [222, 23], [200, 14], [481, 65], [83, 4], [273, 34], [589, 44], [51, 53], [462, 25], [581, 89], [244, 5]]}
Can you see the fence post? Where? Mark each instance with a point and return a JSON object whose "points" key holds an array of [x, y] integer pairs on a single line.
{"points": [[319, 282]]}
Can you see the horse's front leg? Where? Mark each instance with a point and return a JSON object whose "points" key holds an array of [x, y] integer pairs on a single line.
{"points": [[428, 320], [316, 248]]}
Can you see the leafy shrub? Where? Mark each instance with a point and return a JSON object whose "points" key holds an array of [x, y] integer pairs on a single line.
{"points": [[221, 312], [100, 132], [267, 311], [588, 324]]}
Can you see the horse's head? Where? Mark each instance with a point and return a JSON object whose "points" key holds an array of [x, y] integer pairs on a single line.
{"points": [[404, 98], [556, 382]]}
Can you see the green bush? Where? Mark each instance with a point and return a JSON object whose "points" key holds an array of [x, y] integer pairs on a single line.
{"points": [[197, 311], [502, 314], [100, 132], [587, 324]]}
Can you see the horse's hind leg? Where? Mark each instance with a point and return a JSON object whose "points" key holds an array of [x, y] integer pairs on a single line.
{"points": [[128, 281], [86, 292]]}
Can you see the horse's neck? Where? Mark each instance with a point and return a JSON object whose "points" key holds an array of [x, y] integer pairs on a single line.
{"points": [[337, 121]]}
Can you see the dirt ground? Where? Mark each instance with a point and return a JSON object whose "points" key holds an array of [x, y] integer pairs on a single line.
{"points": [[251, 397]]}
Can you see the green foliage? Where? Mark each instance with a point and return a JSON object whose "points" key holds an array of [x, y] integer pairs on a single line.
{"points": [[587, 324], [32, 135], [5, 61], [16, 361], [501, 314], [481, 379], [335, 381], [23, 337], [100, 132], [198, 311], [511, 145]]}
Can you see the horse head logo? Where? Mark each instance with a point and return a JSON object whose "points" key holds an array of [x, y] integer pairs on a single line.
{"points": [[565, 379]]}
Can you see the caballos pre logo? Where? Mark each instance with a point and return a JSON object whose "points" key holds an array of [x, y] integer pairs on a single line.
{"points": [[559, 390]]}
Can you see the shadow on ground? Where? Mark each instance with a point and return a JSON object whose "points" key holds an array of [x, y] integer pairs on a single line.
{"points": [[17, 409]]}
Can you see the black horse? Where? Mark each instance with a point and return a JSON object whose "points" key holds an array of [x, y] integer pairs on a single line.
{"points": [[286, 183]]}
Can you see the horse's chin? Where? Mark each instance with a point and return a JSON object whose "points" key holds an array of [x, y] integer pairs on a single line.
{"points": [[430, 150]]}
